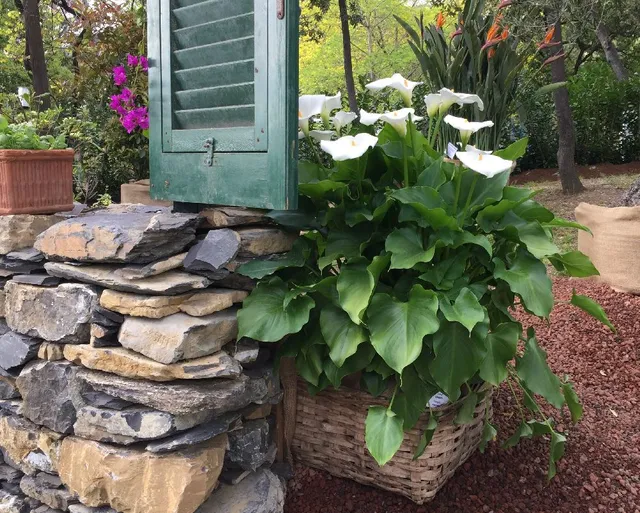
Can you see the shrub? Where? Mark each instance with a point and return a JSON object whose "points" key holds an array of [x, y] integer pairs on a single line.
{"points": [[407, 271]]}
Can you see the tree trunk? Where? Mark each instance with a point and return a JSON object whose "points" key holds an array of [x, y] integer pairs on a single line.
{"points": [[569, 178], [33, 32], [346, 50], [611, 52]]}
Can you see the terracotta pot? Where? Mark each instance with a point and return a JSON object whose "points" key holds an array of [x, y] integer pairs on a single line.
{"points": [[36, 181]]}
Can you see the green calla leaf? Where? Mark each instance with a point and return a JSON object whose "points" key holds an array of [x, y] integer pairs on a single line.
{"points": [[467, 409], [573, 402], [373, 383], [406, 246], [574, 263], [589, 306], [341, 334], [489, 433], [397, 328], [427, 436], [466, 309], [309, 359], [556, 452], [532, 368], [457, 357], [355, 286], [433, 176], [514, 151], [427, 204], [528, 278], [383, 434], [264, 317], [524, 431], [460, 238], [260, 268], [501, 345], [353, 364], [343, 244]]}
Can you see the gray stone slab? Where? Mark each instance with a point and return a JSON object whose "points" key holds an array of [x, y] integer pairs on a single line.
{"points": [[17, 349], [42, 280], [218, 248]]}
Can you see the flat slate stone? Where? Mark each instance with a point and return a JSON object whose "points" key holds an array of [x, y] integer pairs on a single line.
{"points": [[42, 280], [26, 255], [20, 231], [129, 364], [50, 394], [133, 424], [218, 248], [81, 508], [221, 217], [3, 323], [245, 350], [250, 446], [19, 266], [179, 336], [17, 349], [135, 234], [10, 503], [178, 398], [259, 492], [196, 304], [8, 474], [260, 241], [105, 317], [13, 407], [136, 272], [102, 400], [52, 496], [169, 283], [61, 314], [197, 435], [8, 389]]}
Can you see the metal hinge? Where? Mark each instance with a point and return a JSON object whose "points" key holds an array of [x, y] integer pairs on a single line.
{"points": [[209, 145]]}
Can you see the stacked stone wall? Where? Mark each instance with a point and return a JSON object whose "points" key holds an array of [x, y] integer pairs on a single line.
{"points": [[123, 386]]}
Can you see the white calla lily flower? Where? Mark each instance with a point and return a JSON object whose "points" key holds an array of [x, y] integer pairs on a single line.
{"points": [[349, 147], [449, 98], [433, 102], [399, 83], [369, 118], [330, 103], [398, 119], [487, 165], [342, 119], [309, 105], [469, 148], [321, 135], [466, 127]]}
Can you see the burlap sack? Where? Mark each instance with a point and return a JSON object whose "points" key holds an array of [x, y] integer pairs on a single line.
{"points": [[615, 246]]}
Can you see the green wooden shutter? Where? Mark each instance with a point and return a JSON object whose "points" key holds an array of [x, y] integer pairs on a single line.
{"points": [[223, 86]]}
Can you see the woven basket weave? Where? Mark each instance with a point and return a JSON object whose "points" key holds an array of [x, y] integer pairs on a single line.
{"points": [[329, 435]]}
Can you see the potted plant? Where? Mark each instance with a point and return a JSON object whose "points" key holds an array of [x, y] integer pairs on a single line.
{"points": [[405, 277], [36, 172]]}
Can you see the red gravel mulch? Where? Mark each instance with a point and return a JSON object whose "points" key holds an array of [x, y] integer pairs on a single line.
{"points": [[594, 171], [601, 468]]}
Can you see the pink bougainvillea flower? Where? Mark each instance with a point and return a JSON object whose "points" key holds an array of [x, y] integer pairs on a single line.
{"points": [[129, 121], [127, 96], [119, 75], [132, 60], [142, 117], [144, 63]]}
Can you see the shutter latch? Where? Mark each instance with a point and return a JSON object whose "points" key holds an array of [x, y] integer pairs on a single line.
{"points": [[209, 146]]}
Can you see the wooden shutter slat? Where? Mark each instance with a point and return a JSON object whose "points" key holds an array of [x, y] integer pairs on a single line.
{"points": [[225, 117], [219, 96], [215, 53], [214, 31], [210, 10], [226, 73]]}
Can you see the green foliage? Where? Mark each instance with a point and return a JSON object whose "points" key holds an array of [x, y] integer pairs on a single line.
{"points": [[459, 63], [23, 136], [413, 284]]}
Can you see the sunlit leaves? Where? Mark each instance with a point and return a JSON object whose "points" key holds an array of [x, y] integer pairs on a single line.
{"points": [[383, 433], [589, 306]]}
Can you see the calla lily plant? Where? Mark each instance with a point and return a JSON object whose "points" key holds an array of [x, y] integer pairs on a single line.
{"points": [[406, 274]]}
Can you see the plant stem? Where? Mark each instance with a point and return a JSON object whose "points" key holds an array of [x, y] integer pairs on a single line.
{"points": [[434, 135], [406, 166], [429, 131], [468, 202], [393, 397], [513, 392], [458, 182], [315, 151]]}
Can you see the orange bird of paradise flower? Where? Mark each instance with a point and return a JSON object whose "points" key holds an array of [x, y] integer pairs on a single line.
{"points": [[440, 20], [548, 41]]}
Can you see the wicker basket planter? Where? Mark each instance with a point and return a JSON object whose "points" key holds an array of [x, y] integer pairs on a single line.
{"points": [[329, 435], [36, 181]]}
